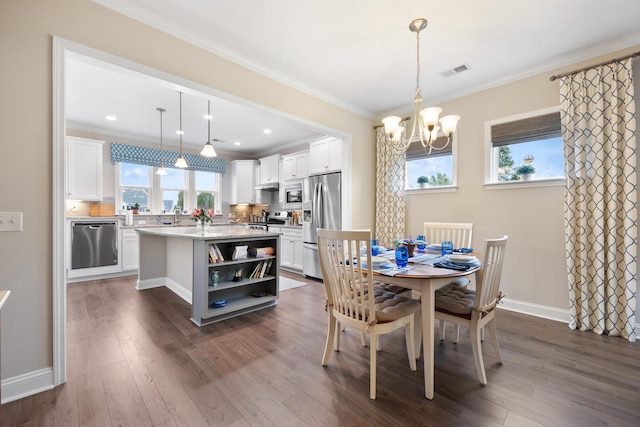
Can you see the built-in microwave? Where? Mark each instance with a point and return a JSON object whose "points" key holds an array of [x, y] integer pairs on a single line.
{"points": [[293, 196]]}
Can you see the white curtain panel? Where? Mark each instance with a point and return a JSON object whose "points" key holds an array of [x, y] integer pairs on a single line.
{"points": [[390, 195], [599, 133]]}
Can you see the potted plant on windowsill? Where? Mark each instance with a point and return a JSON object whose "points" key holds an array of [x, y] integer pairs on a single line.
{"points": [[423, 181], [135, 208], [526, 172]]}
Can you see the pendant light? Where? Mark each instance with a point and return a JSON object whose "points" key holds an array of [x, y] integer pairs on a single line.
{"points": [[208, 150], [181, 162], [161, 170]]}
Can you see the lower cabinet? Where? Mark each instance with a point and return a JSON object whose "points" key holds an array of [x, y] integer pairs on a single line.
{"points": [[225, 285], [291, 242], [130, 247]]}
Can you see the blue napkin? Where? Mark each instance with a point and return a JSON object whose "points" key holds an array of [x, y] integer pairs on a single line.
{"points": [[463, 250], [452, 266]]}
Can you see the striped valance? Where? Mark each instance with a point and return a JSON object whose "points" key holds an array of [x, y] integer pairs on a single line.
{"points": [[151, 157]]}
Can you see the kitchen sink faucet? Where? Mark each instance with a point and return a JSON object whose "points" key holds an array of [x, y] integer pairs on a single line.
{"points": [[176, 211]]}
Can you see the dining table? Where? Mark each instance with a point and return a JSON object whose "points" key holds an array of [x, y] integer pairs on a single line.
{"points": [[427, 278]]}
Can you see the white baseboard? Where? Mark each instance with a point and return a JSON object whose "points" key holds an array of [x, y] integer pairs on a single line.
{"points": [[544, 311], [177, 289], [537, 310], [27, 384]]}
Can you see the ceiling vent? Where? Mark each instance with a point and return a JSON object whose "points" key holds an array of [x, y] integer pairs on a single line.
{"points": [[455, 70]]}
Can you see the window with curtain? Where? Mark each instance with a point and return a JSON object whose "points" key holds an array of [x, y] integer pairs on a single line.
{"points": [[531, 143], [197, 186], [436, 168], [160, 194]]}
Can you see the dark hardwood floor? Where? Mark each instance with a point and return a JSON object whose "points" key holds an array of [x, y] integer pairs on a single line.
{"points": [[135, 359]]}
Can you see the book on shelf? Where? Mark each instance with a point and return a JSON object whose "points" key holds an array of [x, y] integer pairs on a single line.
{"points": [[215, 254], [260, 269], [261, 252]]}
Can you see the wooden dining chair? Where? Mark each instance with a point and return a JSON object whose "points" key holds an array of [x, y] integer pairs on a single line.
{"points": [[475, 309], [461, 234], [353, 301]]}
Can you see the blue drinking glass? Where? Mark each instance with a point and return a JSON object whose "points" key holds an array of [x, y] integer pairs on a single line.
{"points": [[421, 246], [375, 250], [402, 255], [447, 247]]}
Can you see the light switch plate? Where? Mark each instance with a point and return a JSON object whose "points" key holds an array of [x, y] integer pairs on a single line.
{"points": [[10, 221]]}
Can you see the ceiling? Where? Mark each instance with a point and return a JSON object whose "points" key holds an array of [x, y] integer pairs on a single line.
{"points": [[359, 55]]}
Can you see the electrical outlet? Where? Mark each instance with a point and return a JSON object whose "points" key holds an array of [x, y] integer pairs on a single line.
{"points": [[142, 222], [10, 221]]}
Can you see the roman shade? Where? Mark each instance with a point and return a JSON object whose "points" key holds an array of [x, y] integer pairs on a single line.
{"points": [[530, 129], [151, 157]]}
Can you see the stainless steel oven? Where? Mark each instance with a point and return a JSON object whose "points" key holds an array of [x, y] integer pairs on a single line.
{"points": [[293, 196]]}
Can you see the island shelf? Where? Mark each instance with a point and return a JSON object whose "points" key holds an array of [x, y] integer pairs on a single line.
{"points": [[185, 263]]}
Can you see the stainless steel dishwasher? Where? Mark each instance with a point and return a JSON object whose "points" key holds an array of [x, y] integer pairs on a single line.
{"points": [[94, 244]]}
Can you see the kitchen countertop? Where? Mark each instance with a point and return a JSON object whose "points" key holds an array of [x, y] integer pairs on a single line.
{"points": [[212, 232]]}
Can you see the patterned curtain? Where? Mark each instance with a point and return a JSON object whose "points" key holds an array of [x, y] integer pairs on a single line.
{"points": [[390, 202], [599, 133]]}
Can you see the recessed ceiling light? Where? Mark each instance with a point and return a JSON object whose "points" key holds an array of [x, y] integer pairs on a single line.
{"points": [[267, 131], [112, 118], [179, 132], [208, 117], [237, 143]]}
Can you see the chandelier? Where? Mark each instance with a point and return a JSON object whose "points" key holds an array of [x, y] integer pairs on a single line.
{"points": [[425, 121]]}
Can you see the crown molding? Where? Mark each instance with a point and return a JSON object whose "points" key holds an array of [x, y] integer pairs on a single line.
{"points": [[144, 16]]}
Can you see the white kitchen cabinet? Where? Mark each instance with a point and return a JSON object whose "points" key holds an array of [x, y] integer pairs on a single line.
{"points": [[241, 176], [84, 168], [295, 166], [290, 247], [256, 180], [130, 245], [270, 169], [325, 156]]}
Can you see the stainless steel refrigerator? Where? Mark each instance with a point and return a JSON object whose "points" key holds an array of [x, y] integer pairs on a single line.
{"points": [[321, 208]]}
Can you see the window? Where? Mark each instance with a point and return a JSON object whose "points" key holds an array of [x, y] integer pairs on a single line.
{"points": [[437, 167], [162, 193], [532, 141], [206, 189], [173, 186], [134, 185]]}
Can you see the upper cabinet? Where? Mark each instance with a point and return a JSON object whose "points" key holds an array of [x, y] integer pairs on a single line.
{"points": [[295, 166], [84, 168], [325, 156], [241, 182], [269, 169]]}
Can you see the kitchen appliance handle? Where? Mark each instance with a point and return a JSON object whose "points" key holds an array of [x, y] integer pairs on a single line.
{"points": [[317, 205]]}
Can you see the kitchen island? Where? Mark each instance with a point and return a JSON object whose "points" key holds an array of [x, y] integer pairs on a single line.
{"points": [[186, 261]]}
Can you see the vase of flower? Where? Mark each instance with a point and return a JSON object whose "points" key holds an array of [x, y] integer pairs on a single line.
{"points": [[202, 217]]}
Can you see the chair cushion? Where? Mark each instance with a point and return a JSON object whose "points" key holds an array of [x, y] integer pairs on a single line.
{"points": [[388, 287], [391, 306], [455, 299]]}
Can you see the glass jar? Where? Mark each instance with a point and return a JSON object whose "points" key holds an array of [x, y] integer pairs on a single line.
{"points": [[214, 278]]}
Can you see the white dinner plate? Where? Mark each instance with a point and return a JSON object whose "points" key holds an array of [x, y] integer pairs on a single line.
{"points": [[462, 259], [376, 261]]}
